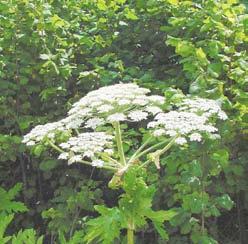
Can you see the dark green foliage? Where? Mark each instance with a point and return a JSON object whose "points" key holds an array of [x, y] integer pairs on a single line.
{"points": [[53, 52], [8, 207], [134, 211]]}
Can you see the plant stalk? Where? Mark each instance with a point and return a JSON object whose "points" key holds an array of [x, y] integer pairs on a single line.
{"points": [[119, 142], [139, 149], [149, 149], [130, 236], [130, 233], [55, 147]]}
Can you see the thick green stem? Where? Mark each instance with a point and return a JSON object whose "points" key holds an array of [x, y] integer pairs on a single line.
{"points": [[119, 142], [130, 236], [130, 233]]}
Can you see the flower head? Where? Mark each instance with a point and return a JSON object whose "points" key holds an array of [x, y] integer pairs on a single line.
{"points": [[118, 102], [203, 106], [88, 144]]}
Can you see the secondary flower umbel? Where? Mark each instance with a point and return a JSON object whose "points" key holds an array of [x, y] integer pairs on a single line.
{"points": [[193, 119]]}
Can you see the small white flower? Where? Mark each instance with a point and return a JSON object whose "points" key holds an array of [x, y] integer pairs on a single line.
{"points": [[214, 136], [116, 117], [88, 154], [97, 163], [63, 155], [153, 110], [109, 151], [222, 115], [206, 107], [94, 122], [137, 115], [123, 102], [157, 99], [74, 159], [171, 133], [159, 132], [105, 108], [180, 141], [30, 143], [95, 104], [152, 124], [88, 144], [195, 137], [140, 101], [65, 145], [210, 128], [74, 124], [51, 135]]}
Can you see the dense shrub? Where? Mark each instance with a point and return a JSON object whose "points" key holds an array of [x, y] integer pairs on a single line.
{"points": [[54, 52]]}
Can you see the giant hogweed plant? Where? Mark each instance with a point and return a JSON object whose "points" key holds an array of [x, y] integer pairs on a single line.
{"points": [[93, 132]]}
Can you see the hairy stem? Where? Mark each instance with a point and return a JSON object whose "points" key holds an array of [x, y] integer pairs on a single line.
{"points": [[130, 233], [119, 142]]}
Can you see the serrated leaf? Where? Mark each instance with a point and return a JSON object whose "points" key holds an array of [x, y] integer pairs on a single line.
{"points": [[160, 229]]}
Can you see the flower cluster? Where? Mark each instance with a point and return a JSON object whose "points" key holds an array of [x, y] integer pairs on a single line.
{"points": [[205, 107], [123, 102], [120, 102], [39, 132], [191, 121], [87, 145]]}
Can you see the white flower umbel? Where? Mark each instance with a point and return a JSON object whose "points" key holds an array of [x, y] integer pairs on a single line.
{"points": [[194, 118], [202, 106], [183, 124], [117, 117], [138, 115], [40, 132], [88, 145], [117, 103], [94, 122]]}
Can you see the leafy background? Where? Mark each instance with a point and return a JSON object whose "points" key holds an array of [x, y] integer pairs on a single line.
{"points": [[53, 52]]}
